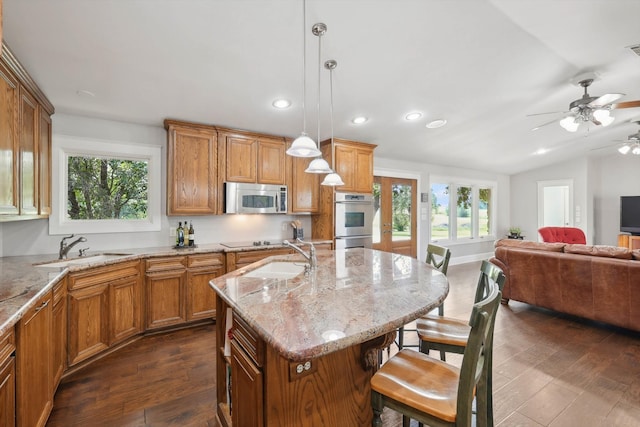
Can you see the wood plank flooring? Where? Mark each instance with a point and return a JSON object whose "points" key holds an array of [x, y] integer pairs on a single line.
{"points": [[549, 370]]}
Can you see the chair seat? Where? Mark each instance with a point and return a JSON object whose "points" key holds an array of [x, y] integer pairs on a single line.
{"points": [[422, 382], [443, 330]]}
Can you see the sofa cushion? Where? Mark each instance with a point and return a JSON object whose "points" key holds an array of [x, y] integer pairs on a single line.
{"points": [[599, 250], [529, 244], [636, 254]]}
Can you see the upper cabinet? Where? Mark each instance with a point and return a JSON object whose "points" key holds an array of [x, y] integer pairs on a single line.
{"points": [[25, 140], [353, 161], [252, 157], [192, 182], [304, 188]]}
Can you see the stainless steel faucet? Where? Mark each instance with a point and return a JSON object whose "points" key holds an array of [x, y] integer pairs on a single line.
{"points": [[311, 256], [65, 248]]}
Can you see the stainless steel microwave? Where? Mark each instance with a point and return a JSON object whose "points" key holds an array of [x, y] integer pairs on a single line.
{"points": [[243, 198]]}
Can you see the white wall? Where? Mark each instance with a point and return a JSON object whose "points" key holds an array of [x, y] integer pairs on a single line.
{"points": [[32, 237], [461, 252]]}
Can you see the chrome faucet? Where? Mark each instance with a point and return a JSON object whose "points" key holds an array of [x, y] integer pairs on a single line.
{"points": [[311, 256], [65, 248]]}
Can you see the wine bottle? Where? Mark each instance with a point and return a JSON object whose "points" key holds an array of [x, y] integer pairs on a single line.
{"points": [[192, 235], [180, 234]]}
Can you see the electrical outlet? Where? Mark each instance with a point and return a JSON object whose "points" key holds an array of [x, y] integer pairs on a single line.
{"points": [[172, 231], [285, 226]]}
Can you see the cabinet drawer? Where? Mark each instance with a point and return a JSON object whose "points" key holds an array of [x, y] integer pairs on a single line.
{"points": [[206, 260], [246, 338], [106, 274], [7, 344], [166, 263]]}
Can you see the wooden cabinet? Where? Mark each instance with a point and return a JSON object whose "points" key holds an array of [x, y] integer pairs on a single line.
{"points": [[246, 390], [353, 161], [628, 241], [34, 392], [178, 288], [104, 308], [251, 157], [7, 379], [59, 332], [25, 140], [236, 260], [304, 188], [192, 182]]}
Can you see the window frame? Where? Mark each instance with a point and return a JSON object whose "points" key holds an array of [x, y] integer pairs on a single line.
{"points": [[475, 185], [64, 146]]}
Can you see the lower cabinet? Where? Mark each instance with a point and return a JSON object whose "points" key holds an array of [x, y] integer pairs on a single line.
{"points": [[59, 332], [104, 308], [236, 260], [246, 390], [34, 356], [178, 291], [7, 379]]}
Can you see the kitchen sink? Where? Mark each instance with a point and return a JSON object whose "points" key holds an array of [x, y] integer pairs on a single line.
{"points": [[90, 259], [277, 270]]}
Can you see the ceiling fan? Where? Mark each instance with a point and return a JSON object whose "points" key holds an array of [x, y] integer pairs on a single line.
{"points": [[632, 144], [594, 109]]}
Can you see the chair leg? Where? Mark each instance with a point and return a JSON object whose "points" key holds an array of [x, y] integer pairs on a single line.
{"points": [[443, 355], [400, 337], [406, 421], [378, 406]]}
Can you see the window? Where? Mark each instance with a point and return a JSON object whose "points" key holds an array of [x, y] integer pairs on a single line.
{"points": [[104, 186], [461, 211]]}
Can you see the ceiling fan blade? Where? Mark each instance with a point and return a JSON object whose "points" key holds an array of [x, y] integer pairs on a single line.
{"points": [[544, 124], [627, 104], [605, 99], [550, 112]]}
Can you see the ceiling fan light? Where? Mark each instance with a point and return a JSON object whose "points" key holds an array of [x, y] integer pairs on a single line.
{"points": [[636, 150], [332, 179], [604, 117], [318, 165], [569, 123], [624, 149], [303, 146]]}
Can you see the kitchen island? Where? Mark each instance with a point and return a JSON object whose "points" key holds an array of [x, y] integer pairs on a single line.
{"points": [[298, 348]]}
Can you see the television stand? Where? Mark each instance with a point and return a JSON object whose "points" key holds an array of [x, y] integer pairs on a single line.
{"points": [[628, 241]]}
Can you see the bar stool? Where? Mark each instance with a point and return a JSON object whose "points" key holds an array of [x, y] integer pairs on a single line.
{"points": [[438, 257], [434, 392]]}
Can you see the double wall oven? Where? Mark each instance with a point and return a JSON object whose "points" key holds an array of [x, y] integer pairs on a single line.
{"points": [[353, 220]]}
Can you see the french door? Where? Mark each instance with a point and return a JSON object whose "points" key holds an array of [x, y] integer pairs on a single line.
{"points": [[394, 219]]}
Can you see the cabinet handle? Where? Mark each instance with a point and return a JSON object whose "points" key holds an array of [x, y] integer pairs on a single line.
{"points": [[43, 305]]}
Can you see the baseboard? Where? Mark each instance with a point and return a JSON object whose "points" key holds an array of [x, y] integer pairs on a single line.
{"points": [[470, 258]]}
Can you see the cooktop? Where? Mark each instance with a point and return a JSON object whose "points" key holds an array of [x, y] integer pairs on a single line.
{"points": [[250, 244]]}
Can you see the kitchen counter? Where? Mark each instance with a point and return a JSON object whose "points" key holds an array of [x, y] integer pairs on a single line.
{"points": [[22, 283], [354, 295]]}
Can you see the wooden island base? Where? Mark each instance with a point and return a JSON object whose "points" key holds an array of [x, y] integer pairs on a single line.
{"points": [[269, 390]]}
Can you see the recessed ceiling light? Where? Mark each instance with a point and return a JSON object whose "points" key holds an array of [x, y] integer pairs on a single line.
{"points": [[413, 116], [87, 93], [541, 151], [438, 123], [359, 120], [281, 103]]}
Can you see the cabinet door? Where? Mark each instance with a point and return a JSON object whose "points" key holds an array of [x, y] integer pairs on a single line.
{"points": [[44, 163], [201, 298], [8, 393], [34, 396], [8, 142], [28, 154], [304, 188], [247, 378], [346, 167], [166, 298], [364, 166], [88, 322], [59, 336], [271, 162], [125, 300], [241, 154], [191, 170]]}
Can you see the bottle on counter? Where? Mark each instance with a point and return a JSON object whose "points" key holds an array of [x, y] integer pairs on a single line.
{"points": [[192, 235], [180, 234]]}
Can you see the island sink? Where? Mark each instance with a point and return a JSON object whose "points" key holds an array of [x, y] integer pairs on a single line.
{"points": [[278, 270]]}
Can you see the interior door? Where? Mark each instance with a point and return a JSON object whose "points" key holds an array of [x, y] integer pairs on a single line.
{"points": [[555, 203], [394, 218]]}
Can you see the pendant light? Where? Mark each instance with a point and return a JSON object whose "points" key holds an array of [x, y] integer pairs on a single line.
{"points": [[303, 146], [319, 165], [332, 179]]}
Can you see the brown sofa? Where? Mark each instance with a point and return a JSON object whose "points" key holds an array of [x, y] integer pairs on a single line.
{"points": [[601, 283]]}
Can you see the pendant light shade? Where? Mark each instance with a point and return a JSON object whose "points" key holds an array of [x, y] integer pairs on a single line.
{"points": [[318, 165], [333, 180], [303, 146]]}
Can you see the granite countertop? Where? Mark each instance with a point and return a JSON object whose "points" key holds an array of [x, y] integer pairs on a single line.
{"points": [[24, 279], [353, 296]]}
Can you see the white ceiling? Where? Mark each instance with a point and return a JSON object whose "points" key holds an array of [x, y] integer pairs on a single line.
{"points": [[482, 65]]}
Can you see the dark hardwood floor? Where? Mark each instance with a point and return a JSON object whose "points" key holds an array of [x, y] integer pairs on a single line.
{"points": [[549, 370]]}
